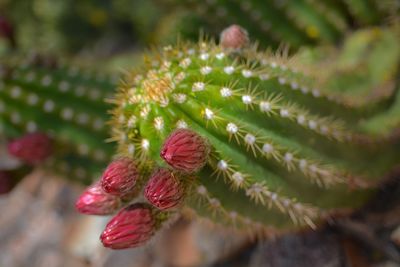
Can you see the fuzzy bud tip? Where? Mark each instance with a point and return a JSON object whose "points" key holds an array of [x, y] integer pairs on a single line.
{"points": [[234, 37], [94, 201]]}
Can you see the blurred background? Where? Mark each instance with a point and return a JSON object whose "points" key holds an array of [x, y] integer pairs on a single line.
{"points": [[39, 225]]}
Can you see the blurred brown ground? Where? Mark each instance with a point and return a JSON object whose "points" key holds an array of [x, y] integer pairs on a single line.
{"points": [[39, 227]]}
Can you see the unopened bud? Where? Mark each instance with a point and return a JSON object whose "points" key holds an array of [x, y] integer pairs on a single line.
{"points": [[131, 227], [94, 201], [164, 190], [32, 148], [120, 177], [234, 37], [185, 151]]}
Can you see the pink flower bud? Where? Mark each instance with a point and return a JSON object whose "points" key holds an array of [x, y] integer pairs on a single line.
{"points": [[120, 177], [164, 190], [94, 201], [6, 182], [32, 148], [234, 37], [131, 227], [185, 151]]}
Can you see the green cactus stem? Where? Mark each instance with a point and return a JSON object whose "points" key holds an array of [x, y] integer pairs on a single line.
{"points": [[293, 140]]}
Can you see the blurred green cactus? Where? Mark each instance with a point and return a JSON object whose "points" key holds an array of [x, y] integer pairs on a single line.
{"points": [[100, 26], [37, 94], [293, 22], [108, 26]]}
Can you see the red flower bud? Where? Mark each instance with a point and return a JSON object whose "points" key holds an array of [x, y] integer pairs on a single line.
{"points": [[234, 37], [131, 227], [6, 182], [120, 177], [164, 190], [32, 148], [94, 201], [185, 151]]}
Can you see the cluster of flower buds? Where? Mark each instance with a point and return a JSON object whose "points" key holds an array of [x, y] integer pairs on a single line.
{"points": [[134, 224], [184, 150], [32, 148]]}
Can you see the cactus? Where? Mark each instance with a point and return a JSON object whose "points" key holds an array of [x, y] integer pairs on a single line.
{"points": [[272, 143], [292, 141], [40, 96]]}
